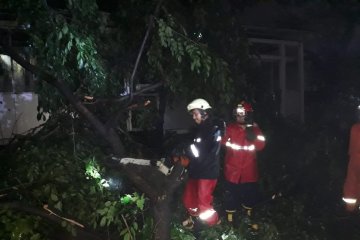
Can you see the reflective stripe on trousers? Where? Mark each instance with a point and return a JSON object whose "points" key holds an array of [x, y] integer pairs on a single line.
{"points": [[198, 199]]}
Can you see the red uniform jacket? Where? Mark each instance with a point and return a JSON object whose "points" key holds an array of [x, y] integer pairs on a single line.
{"points": [[240, 159], [352, 181]]}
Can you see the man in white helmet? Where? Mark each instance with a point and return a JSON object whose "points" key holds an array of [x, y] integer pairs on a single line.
{"points": [[203, 168]]}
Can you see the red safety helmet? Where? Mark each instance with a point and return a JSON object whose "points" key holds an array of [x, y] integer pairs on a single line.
{"points": [[243, 108]]}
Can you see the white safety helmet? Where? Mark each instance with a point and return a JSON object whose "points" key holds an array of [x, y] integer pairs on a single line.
{"points": [[198, 103]]}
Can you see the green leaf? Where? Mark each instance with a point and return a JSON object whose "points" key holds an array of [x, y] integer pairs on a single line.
{"points": [[54, 197], [36, 236], [81, 63], [58, 205], [127, 236], [101, 211], [132, 230], [140, 203], [65, 29], [126, 199], [135, 225], [63, 223], [59, 35], [103, 221], [123, 232]]}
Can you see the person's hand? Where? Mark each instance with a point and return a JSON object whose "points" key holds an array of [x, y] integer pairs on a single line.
{"points": [[175, 159], [250, 134], [184, 161]]}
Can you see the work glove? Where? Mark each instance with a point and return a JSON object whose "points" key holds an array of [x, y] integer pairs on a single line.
{"points": [[250, 134], [179, 155], [184, 160], [249, 118]]}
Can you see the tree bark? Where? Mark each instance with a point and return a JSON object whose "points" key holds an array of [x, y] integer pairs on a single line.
{"points": [[162, 218], [162, 207]]}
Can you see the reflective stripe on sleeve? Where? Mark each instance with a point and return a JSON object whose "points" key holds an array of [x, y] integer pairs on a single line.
{"points": [[349, 200], [261, 137], [194, 150]]}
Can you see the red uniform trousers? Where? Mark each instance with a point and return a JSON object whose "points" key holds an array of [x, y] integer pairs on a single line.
{"points": [[352, 182], [198, 199]]}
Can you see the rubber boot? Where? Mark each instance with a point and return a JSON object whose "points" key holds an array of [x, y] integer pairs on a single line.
{"points": [[249, 214], [188, 223], [230, 214]]}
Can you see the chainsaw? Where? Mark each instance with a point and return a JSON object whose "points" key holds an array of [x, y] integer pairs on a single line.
{"points": [[164, 165]]}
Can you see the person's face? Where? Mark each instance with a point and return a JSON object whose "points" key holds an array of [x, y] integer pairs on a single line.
{"points": [[240, 119], [240, 115], [196, 115]]}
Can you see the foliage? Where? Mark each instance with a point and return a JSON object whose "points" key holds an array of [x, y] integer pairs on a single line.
{"points": [[49, 176], [94, 53], [196, 39], [295, 158], [211, 72], [17, 226], [63, 46], [179, 233], [49, 172], [79, 45]]}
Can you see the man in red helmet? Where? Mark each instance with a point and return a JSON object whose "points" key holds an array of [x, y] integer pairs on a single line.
{"points": [[242, 139]]}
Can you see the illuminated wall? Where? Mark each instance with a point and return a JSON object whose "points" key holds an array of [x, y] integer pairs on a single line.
{"points": [[17, 114], [18, 105]]}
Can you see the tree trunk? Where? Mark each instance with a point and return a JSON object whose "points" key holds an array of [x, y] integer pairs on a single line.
{"points": [[162, 218], [162, 211], [161, 195]]}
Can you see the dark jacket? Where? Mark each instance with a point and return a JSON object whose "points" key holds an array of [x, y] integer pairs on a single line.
{"points": [[204, 151]]}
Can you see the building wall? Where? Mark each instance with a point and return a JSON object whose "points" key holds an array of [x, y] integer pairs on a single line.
{"points": [[17, 114], [177, 118]]}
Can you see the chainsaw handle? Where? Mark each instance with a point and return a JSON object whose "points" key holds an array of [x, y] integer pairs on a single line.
{"points": [[184, 160]]}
